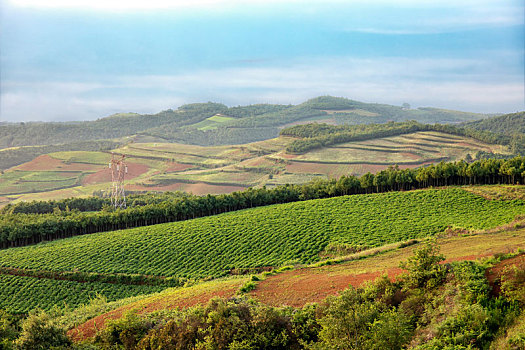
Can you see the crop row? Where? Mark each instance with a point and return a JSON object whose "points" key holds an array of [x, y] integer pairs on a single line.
{"points": [[266, 236], [20, 294]]}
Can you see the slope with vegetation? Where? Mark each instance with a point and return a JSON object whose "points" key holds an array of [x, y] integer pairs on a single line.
{"points": [[223, 169], [252, 239], [430, 306], [205, 123], [22, 227]]}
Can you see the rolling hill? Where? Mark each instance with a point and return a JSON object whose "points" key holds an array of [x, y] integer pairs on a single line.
{"points": [[506, 124], [200, 170], [216, 124], [218, 246]]}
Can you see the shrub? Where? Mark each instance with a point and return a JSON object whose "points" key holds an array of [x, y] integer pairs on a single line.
{"points": [[39, 331], [424, 268]]}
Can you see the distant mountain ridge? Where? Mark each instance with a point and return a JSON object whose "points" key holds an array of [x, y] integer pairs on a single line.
{"points": [[197, 123]]}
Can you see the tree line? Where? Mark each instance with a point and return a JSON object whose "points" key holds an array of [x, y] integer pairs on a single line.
{"points": [[19, 229], [315, 136]]}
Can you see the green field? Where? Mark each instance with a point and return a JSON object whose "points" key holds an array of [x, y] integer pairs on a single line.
{"points": [[22, 294], [17, 182], [273, 235]]}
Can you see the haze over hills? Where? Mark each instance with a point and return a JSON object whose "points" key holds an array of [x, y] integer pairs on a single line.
{"points": [[215, 124]]}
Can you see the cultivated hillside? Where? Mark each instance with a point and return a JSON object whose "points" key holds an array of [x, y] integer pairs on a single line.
{"points": [[215, 124], [247, 240], [156, 166]]}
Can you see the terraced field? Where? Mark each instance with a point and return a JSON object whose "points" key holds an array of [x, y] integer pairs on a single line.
{"points": [[223, 169], [293, 233]]}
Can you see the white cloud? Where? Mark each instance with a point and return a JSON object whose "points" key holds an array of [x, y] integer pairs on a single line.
{"points": [[421, 82]]}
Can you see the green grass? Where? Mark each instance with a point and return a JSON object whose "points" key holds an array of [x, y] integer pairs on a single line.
{"points": [[82, 157], [22, 294], [212, 122], [273, 235], [18, 182]]}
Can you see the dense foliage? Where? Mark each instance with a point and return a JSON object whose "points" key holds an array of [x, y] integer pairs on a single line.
{"points": [[17, 229], [88, 204], [266, 236], [506, 124]]}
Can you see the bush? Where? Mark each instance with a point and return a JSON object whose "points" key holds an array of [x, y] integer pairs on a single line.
{"points": [[39, 331], [424, 268]]}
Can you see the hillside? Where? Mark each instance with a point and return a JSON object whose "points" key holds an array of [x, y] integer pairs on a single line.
{"points": [[157, 166], [506, 124], [217, 246], [116, 288], [216, 124], [300, 286]]}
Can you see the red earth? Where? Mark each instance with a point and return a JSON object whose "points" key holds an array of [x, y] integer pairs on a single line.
{"points": [[47, 163], [89, 328], [502, 268], [299, 287], [104, 174], [308, 285]]}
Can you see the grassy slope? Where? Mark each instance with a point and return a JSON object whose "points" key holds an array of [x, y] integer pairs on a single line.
{"points": [[311, 284], [267, 236]]}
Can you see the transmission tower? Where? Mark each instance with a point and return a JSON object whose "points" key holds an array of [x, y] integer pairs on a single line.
{"points": [[118, 170]]}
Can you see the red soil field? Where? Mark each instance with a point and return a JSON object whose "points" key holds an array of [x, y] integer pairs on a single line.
{"points": [[299, 287], [175, 167], [47, 163], [308, 285], [410, 155], [104, 175], [495, 273], [89, 328]]}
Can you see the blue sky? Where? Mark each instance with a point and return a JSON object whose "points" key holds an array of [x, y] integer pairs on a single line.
{"points": [[78, 60]]}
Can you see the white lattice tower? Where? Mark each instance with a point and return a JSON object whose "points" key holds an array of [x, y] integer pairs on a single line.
{"points": [[118, 170]]}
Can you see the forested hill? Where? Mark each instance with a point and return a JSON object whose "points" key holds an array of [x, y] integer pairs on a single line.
{"points": [[214, 123], [505, 124]]}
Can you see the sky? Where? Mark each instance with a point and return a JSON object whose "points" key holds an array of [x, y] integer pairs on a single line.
{"points": [[64, 60]]}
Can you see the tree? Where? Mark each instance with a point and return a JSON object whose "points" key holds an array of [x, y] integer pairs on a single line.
{"points": [[424, 268]]}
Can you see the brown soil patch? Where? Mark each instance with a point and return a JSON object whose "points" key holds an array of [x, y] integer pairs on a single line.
{"points": [[171, 302], [495, 273], [175, 167], [299, 287], [410, 155], [104, 175], [309, 285], [48, 163], [43, 162]]}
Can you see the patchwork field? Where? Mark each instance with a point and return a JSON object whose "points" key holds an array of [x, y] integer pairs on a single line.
{"points": [[223, 169]]}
